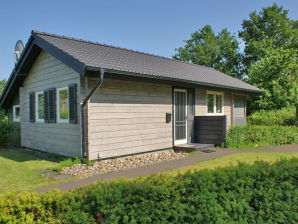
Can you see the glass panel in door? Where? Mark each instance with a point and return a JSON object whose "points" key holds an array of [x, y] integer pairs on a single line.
{"points": [[180, 110]]}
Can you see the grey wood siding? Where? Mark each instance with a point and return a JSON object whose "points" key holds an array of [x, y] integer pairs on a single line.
{"points": [[128, 117], [228, 108], [61, 138], [15, 101], [16, 132], [239, 110], [201, 102]]}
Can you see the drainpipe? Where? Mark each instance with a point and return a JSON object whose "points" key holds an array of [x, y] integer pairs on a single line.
{"points": [[84, 118]]}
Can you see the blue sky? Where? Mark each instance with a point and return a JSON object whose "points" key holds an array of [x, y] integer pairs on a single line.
{"points": [[155, 26]]}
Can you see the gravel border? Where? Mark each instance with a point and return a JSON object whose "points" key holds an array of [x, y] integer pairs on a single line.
{"points": [[122, 163]]}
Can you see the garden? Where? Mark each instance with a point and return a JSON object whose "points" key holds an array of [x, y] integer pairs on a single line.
{"points": [[261, 192], [264, 128]]}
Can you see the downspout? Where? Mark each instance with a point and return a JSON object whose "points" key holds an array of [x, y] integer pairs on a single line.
{"points": [[84, 118]]}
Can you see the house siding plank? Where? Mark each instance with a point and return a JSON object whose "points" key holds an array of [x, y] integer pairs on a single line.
{"points": [[128, 117], [62, 138], [15, 101], [228, 108], [201, 102]]}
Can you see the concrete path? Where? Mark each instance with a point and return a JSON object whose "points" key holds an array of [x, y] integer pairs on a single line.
{"points": [[158, 167]]}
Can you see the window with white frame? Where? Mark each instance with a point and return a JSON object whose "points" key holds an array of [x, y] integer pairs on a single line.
{"points": [[62, 104], [16, 113], [214, 103], [39, 107]]}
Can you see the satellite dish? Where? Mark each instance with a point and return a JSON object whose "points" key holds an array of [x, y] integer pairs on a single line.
{"points": [[18, 50]]}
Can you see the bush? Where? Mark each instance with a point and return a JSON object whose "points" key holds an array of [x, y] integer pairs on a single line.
{"points": [[69, 162], [286, 116], [258, 193], [5, 130], [248, 136]]}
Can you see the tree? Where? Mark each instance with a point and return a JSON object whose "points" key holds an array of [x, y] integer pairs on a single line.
{"points": [[270, 28], [276, 73], [217, 51], [2, 84]]}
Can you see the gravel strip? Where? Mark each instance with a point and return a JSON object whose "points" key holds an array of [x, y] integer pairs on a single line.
{"points": [[122, 163]]}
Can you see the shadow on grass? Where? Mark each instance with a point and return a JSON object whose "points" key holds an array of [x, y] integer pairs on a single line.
{"points": [[16, 155], [24, 154]]}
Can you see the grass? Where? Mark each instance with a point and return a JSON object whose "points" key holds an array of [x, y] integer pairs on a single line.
{"points": [[249, 146], [233, 159], [192, 153], [18, 172], [69, 162]]}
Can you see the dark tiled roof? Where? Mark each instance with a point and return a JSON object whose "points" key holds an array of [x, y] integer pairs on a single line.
{"points": [[109, 57]]}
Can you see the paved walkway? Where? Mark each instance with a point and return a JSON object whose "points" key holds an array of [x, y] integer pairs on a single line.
{"points": [[173, 164]]}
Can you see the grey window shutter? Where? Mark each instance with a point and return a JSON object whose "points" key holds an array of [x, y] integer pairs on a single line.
{"points": [[32, 106], [46, 106], [51, 105], [72, 103]]}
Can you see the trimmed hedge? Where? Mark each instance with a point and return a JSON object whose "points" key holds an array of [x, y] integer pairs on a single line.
{"points": [[283, 117], [5, 130], [258, 193], [243, 136]]}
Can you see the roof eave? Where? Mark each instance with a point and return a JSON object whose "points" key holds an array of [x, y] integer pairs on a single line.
{"points": [[143, 75], [13, 74], [66, 58], [23, 66]]}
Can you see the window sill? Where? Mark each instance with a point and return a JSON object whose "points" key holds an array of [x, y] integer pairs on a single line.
{"points": [[215, 114], [63, 121]]}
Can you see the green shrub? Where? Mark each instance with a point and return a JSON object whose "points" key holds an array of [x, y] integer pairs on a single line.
{"points": [[258, 193], [5, 130], [248, 136], [69, 162], [284, 117]]}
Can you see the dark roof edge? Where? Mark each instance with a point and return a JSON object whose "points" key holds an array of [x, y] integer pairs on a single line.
{"points": [[12, 76], [81, 68], [56, 52], [51, 49], [121, 48], [6, 88], [171, 79], [35, 33]]}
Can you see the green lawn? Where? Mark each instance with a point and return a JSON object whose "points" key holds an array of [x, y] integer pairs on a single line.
{"points": [[18, 172], [233, 159]]}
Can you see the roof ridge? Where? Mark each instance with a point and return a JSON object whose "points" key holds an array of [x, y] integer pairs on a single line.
{"points": [[121, 48]]}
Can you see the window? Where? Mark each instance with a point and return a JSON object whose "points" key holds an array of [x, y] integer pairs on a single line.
{"points": [[16, 113], [39, 106], [62, 104], [214, 103], [219, 104], [210, 101]]}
